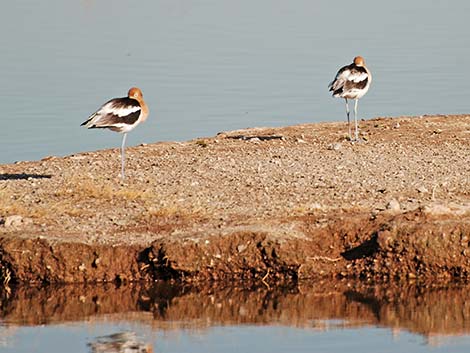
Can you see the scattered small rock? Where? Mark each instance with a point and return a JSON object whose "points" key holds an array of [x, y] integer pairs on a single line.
{"points": [[15, 221], [422, 189], [334, 146], [96, 262], [437, 209], [241, 247], [384, 238], [393, 205]]}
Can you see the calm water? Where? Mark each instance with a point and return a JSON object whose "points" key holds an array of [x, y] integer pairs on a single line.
{"points": [[242, 339], [321, 317], [211, 65]]}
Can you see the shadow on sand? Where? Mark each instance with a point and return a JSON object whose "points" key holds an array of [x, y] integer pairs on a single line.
{"points": [[24, 176]]}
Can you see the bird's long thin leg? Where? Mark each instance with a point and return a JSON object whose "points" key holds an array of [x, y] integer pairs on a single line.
{"points": [[356, 133], [349, 123], [123, 156]]}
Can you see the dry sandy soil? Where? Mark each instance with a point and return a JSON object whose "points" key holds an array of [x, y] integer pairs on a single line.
{"points": [[264, 203]]}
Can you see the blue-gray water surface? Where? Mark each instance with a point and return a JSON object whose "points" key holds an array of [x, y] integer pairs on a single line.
{"points": [[213, 65], [76, 338], [327, 316]]}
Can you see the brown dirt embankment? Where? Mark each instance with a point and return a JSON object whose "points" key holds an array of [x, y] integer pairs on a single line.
{"points": [[267, 203]]}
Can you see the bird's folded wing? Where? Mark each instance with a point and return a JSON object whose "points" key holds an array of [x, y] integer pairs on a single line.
{"points": [[114, 113]]}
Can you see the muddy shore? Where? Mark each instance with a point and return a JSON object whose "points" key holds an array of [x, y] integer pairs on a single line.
{"points": [[267, 204]]}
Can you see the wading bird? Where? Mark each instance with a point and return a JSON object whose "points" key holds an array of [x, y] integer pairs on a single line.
{"points": [[120, 115], [352, 82]]}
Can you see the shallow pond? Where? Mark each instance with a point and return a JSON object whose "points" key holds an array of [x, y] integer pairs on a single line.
{"points": [[212, 65], [317, 317]]}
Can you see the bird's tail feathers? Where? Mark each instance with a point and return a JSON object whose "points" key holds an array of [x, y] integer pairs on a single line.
{"points": [[89, 122]]}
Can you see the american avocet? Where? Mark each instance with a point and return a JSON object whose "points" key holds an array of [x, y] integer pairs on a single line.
{"points": [[120, 115], [352, 82]]}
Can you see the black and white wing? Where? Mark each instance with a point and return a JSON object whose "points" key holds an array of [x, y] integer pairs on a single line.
{"points": [[348, 79], [116, 114]]}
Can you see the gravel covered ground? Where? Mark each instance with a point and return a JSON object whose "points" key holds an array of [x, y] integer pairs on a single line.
{"points": [[305, 183]]}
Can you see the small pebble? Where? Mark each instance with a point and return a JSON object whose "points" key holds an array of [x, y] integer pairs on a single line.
{"points": [[334, 146], [241, 247], [422, 189], [13, 221], [393, 205]]}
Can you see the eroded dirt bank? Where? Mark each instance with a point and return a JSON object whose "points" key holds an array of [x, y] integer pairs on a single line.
{"points": [[268, 204]]}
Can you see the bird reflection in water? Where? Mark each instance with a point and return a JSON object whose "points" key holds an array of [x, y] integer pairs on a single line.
{"points": [[122, 342]]}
